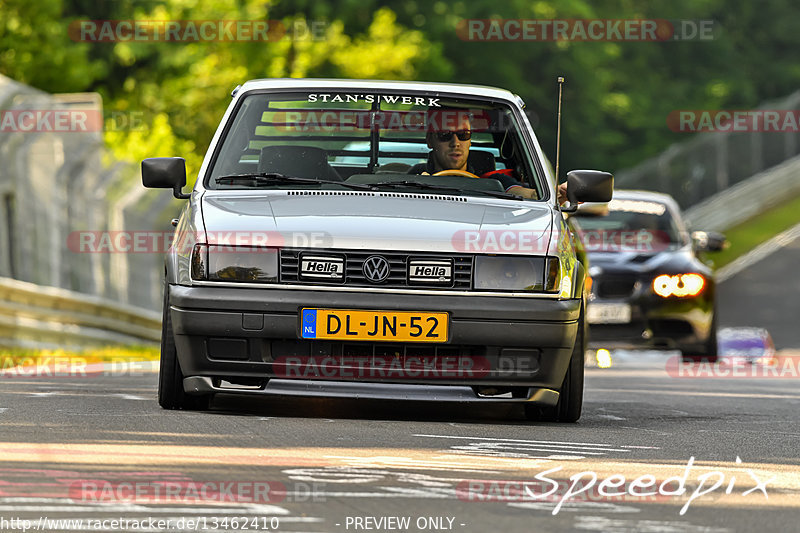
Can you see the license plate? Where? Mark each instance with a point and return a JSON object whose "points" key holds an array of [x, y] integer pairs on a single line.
{"points": [[359, 325], [608, 313]]}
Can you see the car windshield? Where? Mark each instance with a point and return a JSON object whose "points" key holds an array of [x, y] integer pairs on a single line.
{"points": [[621, 216], [361, 138]]}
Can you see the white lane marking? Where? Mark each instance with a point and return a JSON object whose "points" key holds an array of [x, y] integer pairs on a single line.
{"points": [[79, 393], [698, 393], [392, 461], [502, 447], [3, 409], [130, 397], [576, 507], [507, 454], [615, 525], [493, 446], [509, 440], [548, 447], [611, 417], [758, 253], [542, 447], [338, 474]]}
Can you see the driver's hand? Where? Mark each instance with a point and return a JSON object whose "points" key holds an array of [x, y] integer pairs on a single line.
{"points": [[562, 193]]}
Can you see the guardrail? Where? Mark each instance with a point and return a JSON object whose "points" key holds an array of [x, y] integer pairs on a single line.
{"points": [[709, 164], [37, 316], [747, 198]]}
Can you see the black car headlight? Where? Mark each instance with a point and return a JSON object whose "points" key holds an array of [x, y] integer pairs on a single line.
{"points": [[254, 264], [510, 273]]}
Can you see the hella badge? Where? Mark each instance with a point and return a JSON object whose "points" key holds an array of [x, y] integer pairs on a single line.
{"points": [[430, 271], [322, 267]]}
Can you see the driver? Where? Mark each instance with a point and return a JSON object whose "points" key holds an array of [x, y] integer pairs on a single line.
{"points": [[450, 151]]}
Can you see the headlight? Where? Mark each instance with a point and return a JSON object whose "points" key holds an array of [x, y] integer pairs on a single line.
{"points": [[255, 264], [503, 273], [680, 285]]}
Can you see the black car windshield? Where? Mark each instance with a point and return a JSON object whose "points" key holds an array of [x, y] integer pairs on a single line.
{"points": [[369, 138], [630, 216]]}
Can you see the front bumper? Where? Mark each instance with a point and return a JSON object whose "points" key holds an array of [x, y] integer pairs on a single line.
{"points": [[657, 324], [246, 340]]}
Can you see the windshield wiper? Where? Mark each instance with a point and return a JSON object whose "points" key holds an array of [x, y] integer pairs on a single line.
{"points": [[415, 185], [442, 188], [266, 178]]}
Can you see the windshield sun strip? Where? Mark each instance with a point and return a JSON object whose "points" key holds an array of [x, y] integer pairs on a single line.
{"points": [[448, 100]]}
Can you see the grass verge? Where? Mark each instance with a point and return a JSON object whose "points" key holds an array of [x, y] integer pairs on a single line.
{"points": [[754, 231]]}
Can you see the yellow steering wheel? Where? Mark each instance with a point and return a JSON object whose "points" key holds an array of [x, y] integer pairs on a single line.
{"points": [[454, 172]]}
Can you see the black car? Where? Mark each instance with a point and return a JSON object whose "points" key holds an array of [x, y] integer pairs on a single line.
{"points": [[648, 287]]}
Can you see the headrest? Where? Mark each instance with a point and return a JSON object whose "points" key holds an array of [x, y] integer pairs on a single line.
{"points": [[481, 160]]}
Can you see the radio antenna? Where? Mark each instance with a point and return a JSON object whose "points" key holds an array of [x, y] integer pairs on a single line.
{"points": [[558, 127]]}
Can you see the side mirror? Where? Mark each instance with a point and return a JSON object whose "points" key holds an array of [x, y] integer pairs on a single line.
{"points": [[588, 186], [165, 173], [709, 241]]}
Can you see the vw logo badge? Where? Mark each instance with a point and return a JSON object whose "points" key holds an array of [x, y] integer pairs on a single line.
{"points": [[376, 268]]}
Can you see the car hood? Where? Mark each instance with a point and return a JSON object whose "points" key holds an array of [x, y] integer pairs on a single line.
{"points": [[383, 221], [670, 260]]}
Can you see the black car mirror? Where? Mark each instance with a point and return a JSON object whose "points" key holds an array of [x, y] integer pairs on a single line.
{"points": [[588, 186], [165, 173]]}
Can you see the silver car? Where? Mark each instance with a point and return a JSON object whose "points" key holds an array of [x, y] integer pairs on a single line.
{"points": [[316, 256]]}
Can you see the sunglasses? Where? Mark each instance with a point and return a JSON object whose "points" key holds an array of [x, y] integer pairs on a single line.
{"points": [[445, 136]]}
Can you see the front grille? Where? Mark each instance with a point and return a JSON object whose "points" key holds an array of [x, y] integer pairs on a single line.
{"points": [[398, 269], [614, 287]]}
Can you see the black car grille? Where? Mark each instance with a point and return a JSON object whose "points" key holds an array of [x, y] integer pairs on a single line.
{"points": [[614, 287], [398, 264]]}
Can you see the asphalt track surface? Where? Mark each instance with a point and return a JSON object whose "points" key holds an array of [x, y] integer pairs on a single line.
{"points": [[98, 447], [766, 295]]}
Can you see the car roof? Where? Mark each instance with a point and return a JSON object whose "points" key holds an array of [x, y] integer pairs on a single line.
{"points": [[637, 195], [385, 85], [647, 196]]}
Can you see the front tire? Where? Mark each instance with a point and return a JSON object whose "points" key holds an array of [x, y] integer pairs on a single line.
{"points": [[708, 351], [171, 394], [570, 400]]}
